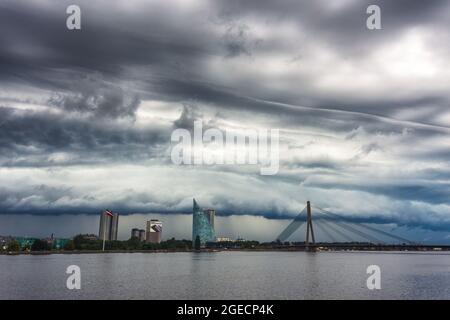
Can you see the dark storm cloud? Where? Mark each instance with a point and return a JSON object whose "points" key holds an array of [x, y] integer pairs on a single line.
{"points": [[425, 192], [341, 25], [100, 102], [236, 41], [47, 200], [294, 116], [103, 45], [27, 139], [113, 40], [187, 117], [344, 33]]}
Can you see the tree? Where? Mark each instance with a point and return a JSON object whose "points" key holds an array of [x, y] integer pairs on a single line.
{"points": [[197, 243], [150, 246], [78, 241], [69, 246], [134, 244], [40, 245], [13, 245]]}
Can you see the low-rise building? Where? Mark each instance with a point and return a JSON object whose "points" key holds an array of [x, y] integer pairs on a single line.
{"points": [[223, 239]]}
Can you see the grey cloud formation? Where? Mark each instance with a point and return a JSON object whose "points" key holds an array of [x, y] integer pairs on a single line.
{"points": [[364, 118], [171, 49], [108, 102], [187, 117], [40, 139]]}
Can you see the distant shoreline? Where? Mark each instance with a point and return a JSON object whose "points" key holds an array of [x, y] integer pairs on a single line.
{"points": [[39, 253]]}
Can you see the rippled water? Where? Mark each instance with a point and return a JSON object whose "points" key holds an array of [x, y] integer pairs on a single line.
{"points": [[227, 275]]}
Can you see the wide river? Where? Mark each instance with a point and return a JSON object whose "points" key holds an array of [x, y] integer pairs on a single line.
{"points": [[227, 275]]}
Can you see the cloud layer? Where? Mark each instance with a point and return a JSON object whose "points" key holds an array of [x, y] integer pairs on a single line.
{"points": [[86, 116]]}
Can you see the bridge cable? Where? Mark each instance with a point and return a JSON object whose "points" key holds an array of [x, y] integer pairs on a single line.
{"points": [[323, 229], [370, 227], [337, 231], [332, 226], [350, 228], [293, 226]]}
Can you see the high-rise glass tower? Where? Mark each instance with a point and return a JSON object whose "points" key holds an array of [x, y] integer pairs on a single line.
{"points": [[201, 226], [210, 214], [109, 225]]}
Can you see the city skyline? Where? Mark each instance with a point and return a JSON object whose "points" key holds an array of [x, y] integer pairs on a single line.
{"points": [[202, 224], [177, 226]]}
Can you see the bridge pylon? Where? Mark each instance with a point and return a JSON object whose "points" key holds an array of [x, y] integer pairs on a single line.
{"points": [[309, 225]]}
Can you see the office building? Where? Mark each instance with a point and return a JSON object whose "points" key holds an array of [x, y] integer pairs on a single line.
{"points": [[109, 225], [135, 233], [138, 233], [202, 226], [224, 239], [142, 235], [114, 226], [154, 231], [210, 214]]}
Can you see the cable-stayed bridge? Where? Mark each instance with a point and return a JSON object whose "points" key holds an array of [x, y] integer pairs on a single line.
{"points": [[323, 227]]}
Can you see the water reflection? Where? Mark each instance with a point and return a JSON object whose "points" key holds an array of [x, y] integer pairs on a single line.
{"points": [[227, 275]]}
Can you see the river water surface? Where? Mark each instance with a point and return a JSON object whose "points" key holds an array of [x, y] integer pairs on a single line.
{"points": [[227, 275]]}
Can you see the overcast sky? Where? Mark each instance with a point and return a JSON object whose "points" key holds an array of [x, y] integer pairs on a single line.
{"points": [[86, 116]]}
